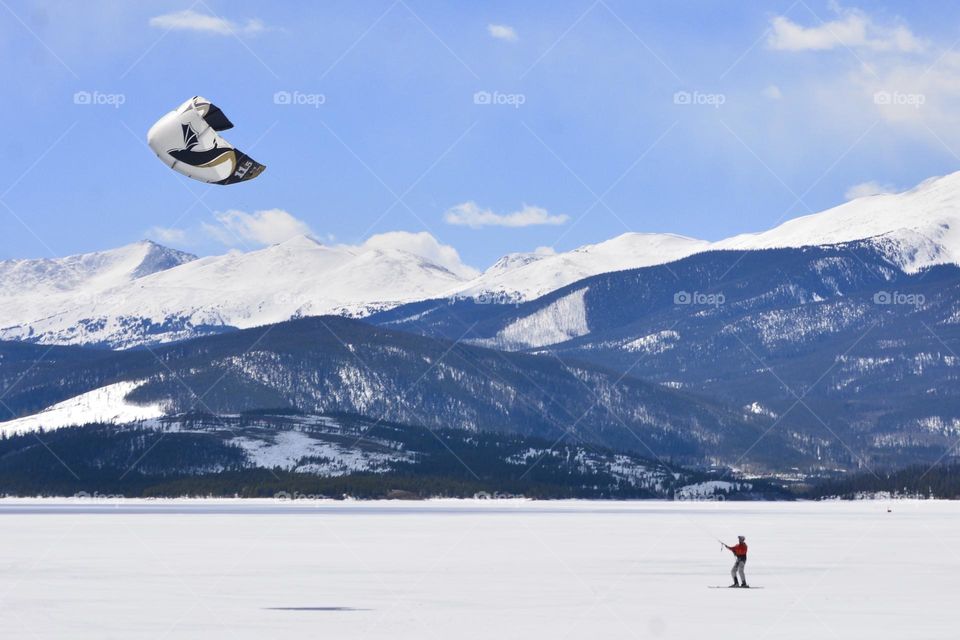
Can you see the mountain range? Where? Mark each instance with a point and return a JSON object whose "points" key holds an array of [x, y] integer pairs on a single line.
{"points": [[825, 345], [149, 294], [853, 359], [330, 364]]}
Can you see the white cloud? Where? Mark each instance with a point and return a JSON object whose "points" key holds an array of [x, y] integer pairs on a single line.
{"points": [[271, 226], [424, 245], [190, 20], [167, 235], [897, 77], [869, 188], [772, 92], [469, 214], [502, 32], [852, 28]]}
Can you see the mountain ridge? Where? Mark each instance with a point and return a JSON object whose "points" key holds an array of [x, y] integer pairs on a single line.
{"points": [[869, 348], [166, 295], [334, 364]]}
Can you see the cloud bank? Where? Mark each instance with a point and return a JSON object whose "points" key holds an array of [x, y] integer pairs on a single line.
{"points": [[274, 226], [852, 29], [271, 226], [424, 245]]}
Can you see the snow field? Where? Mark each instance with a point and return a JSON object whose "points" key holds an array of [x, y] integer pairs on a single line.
{"points": [[107, 405], [471, 569]]}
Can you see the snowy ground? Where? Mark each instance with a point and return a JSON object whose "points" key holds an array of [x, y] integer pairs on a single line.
{"points": [[445, 569], [107, 404]]}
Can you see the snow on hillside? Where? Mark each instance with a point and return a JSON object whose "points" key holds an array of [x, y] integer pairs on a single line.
{"points": [[623, 467], [89, 271], [145, 293], [708, 489], [529, 276], [917, 228], [31, 290], [562, 320], [295, 278], [513, 261], [107, 405], [286, 449], [264, 447], [913, 229], [654, 343], [758, 409], [300, 277]]}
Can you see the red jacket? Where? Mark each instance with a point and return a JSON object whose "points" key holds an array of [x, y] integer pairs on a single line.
{"points": [[739, 550]]}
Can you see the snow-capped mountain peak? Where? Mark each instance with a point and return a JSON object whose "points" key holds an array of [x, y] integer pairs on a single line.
{"points": [[528, 276], [111, 303], [917, 228], [89, 271], [301, 241], [513, 261]]}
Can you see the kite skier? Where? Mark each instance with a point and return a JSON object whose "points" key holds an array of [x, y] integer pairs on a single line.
{"points": [[740, 552]]}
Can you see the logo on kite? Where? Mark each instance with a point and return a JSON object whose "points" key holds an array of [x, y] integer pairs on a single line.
{"points": [[188, 141]]}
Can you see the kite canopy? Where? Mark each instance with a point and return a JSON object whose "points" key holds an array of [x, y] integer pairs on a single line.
{"points": [[187, 141]]}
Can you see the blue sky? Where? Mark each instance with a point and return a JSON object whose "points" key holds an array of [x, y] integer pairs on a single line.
{"points": [[700, 118]]}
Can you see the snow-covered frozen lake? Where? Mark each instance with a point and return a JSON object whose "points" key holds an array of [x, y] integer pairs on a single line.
{"points": [[449, 569]]}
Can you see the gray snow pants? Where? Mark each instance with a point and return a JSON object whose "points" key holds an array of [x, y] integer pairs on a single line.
{"points": [[738, 566]]}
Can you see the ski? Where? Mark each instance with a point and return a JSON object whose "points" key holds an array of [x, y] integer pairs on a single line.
{"points": [[732, 588]]}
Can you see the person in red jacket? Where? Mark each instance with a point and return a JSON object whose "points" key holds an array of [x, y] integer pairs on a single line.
{"points": [[740, 551]]}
